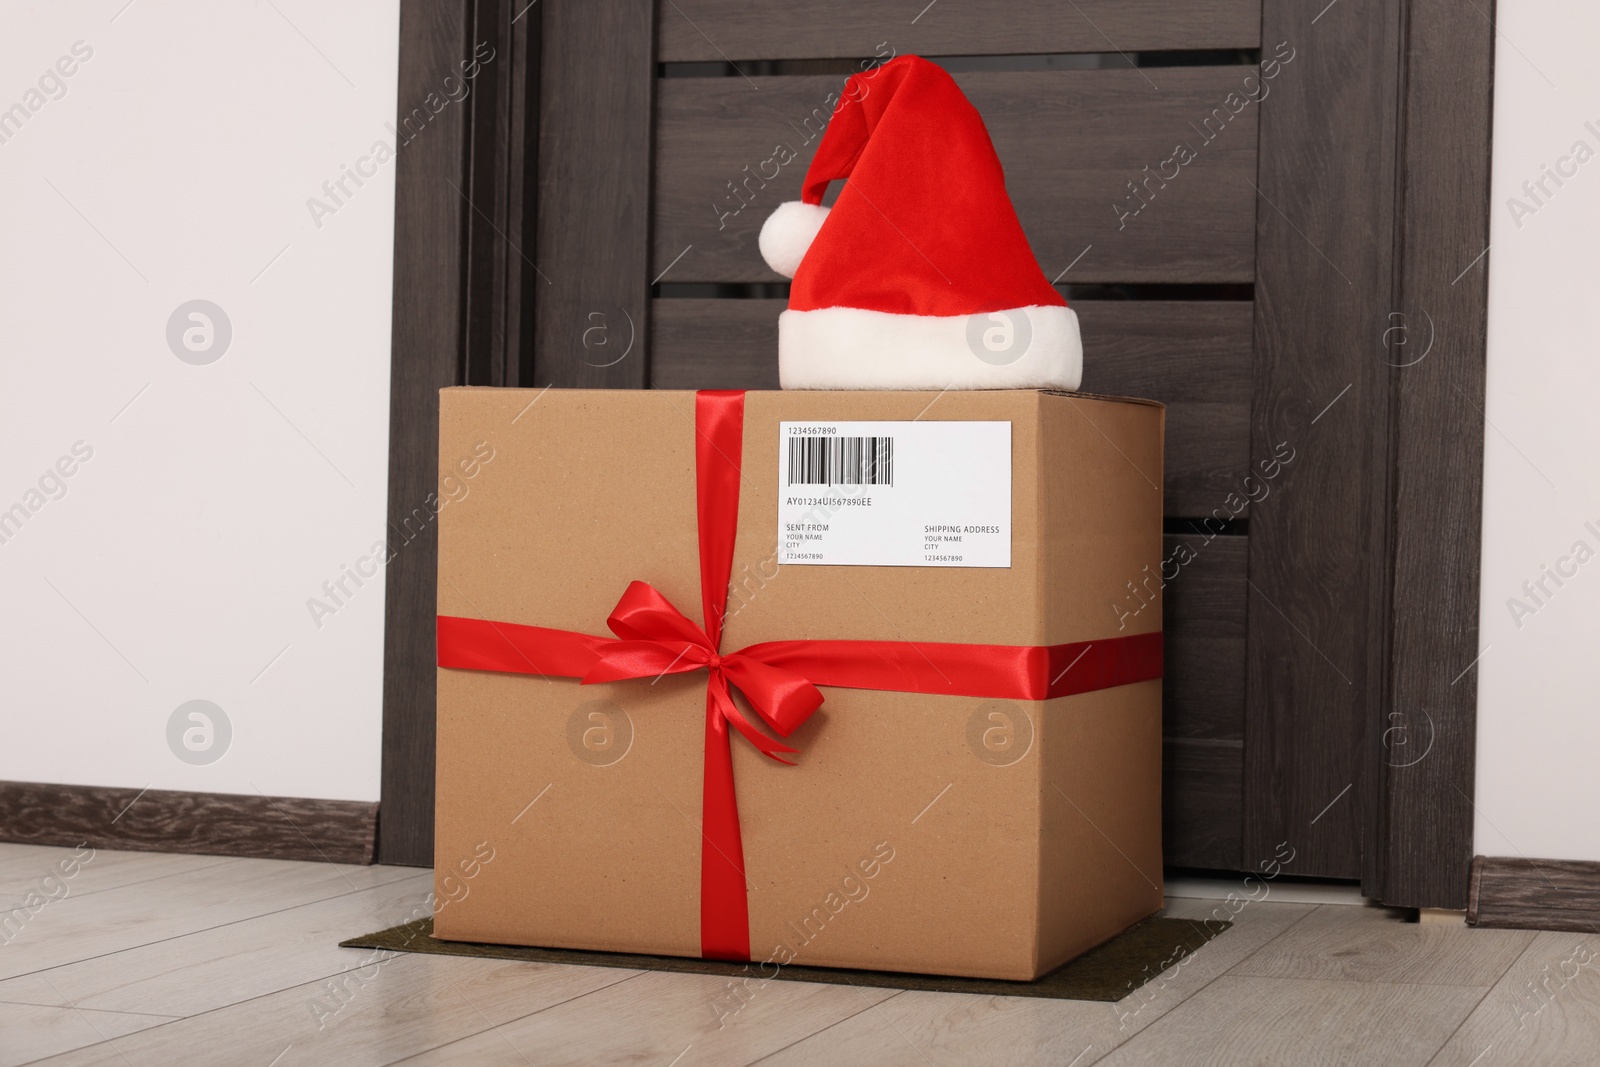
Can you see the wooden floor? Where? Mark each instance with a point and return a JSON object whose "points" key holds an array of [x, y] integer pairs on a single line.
{"points": [[154, 959]]}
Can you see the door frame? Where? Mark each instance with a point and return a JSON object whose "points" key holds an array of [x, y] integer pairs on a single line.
{"points": [[1370, 355]]}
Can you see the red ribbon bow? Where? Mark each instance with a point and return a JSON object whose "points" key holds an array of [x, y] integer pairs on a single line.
{"points": [[656, 638], [778, 678]]}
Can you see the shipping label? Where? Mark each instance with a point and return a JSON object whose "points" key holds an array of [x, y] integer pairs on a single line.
{"points": [[894, 494]]}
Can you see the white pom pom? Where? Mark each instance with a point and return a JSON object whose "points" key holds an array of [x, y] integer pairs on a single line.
{"points": [[788, 232]]}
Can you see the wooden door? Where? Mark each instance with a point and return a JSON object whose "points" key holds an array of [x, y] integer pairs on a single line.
{"points": [[1211, 183]]}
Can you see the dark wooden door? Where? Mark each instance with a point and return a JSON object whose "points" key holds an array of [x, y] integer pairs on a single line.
{"points": [[1212, 185]]}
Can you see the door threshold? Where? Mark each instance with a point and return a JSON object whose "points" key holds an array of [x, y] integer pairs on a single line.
{"points": [[1300, 891]]}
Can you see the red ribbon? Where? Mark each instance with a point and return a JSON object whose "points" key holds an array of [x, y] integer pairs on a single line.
{"points": [[778, 678]]}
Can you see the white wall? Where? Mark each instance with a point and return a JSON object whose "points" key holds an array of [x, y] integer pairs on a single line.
{"points": [[218, 497], [1539, 682]]}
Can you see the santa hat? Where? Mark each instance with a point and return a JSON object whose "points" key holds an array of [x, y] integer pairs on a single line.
{"points": [[920, 276]]}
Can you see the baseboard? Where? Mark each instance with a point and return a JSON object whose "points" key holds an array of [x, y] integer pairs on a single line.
{"points": [[160, 820], [1524, 894]]}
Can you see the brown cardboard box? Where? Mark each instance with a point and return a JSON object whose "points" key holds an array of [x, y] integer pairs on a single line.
{"points": [[997, 846]]}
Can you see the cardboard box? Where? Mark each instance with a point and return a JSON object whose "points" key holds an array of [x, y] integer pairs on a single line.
{"points": [[925, 833]]}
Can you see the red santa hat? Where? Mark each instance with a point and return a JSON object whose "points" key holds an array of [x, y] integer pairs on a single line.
{"points": [[920, 276]]}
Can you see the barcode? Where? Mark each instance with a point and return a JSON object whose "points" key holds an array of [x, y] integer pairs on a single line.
{"points": [[841, 461]]}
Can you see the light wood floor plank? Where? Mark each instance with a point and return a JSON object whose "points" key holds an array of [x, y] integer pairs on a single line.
{"points": [[100, 870], [916, 1029], [1377, 945], [225, 965], [78, 928], [1546, 1010], [1241, 1022], [662, 1017], [392, 1010], [12, 852], [30, 1032]]}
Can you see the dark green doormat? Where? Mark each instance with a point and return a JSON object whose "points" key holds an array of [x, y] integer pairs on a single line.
{"points": [[1107, 973]]}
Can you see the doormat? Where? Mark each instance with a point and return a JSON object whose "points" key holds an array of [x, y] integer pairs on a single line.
{"points": [[1107, 973]]}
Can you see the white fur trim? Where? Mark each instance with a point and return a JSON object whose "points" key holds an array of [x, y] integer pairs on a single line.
{"points": [[849, 348], [788, 233]]}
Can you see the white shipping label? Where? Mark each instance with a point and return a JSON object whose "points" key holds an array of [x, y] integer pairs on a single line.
{"points": [[894, 494]]}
